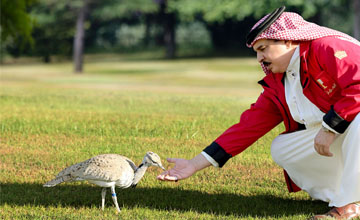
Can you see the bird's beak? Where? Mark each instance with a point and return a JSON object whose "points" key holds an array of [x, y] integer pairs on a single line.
{"points": [[161, 167]]}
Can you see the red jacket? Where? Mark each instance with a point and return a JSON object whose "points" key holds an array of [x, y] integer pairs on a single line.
{"points": [[330, 77]]}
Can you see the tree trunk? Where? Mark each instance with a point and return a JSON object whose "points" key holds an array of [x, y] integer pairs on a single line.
{"points": [[146, 40], [169, 36], [168, 21], [47, 58], [78, 49], [356, 6]]}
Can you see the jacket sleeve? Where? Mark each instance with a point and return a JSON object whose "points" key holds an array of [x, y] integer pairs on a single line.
{"points": [[340, 58], [254, 123]]}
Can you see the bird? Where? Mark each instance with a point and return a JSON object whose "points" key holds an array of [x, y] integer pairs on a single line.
{"points": [[108, 171]]}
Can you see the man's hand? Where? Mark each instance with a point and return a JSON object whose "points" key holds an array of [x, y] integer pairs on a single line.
{"points": [[184, 168], [322, 142]]}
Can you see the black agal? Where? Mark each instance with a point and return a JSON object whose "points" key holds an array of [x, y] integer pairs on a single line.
{"points": [[264, 25]]}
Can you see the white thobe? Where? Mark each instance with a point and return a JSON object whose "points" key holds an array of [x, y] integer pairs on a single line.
{"points": [[331, 179]]}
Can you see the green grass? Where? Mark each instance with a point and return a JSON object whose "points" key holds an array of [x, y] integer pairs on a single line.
{"points": [[51, 118]]}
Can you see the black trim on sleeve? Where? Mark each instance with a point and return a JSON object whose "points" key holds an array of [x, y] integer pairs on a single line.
{"points": [[335, 121], [301, 127], [215, 151], [263, 83]]}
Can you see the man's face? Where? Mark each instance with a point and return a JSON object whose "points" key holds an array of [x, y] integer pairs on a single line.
{"points": [[274, 55]]}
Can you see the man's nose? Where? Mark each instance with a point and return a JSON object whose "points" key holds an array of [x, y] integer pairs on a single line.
{"points": [[259, 57]]}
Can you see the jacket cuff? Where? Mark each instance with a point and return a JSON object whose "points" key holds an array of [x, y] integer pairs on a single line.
{"points": [[210, 159], [335, 121], [215, 151]]}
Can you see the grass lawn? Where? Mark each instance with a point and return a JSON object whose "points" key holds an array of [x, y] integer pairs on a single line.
{"points": [[51, 118]]}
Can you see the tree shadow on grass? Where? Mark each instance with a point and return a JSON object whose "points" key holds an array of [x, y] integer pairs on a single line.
{"points": [[83, 195]]}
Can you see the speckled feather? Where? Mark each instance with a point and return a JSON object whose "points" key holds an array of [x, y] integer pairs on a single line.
{"points": [[105, 167], [108, 170], [101, 169]]}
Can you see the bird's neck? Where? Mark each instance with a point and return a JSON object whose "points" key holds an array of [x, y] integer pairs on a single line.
{"points": [[139, 173]]}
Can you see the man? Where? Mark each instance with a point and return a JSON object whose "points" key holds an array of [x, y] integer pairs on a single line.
{"points": [[312, 84]]}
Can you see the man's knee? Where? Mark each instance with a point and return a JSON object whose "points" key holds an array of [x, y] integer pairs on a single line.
{"points": [[276, 153]]}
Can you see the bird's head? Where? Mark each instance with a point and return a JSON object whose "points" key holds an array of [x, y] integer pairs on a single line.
{"points": [[152, 159]]}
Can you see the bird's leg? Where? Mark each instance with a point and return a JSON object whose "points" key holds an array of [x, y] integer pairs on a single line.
{"points": [[103, 194], [113, 195]]}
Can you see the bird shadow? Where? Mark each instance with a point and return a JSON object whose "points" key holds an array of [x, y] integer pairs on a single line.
{"points": [[83, 195]]}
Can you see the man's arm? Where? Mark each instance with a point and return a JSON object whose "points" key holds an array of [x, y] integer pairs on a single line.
{"points": [[254, 123], [340, 58]]}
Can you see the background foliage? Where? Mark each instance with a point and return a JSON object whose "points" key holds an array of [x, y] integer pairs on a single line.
{"points": [[48, 26]]}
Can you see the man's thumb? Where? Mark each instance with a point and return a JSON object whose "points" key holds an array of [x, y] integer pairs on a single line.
{"points": [[172, 160]]}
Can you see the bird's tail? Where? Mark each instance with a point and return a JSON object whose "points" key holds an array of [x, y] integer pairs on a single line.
{"points": [[57, 180]]}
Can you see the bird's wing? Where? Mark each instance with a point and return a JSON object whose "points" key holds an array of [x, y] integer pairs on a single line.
{"points": [[109, 167], [71, 170], [133, 166]]}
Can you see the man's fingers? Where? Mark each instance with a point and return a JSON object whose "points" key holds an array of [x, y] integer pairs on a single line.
{"points": [[327, 152], [171, 178], [162, 175], [316, 148], [167, 177], [322, 150], [172, 160]]}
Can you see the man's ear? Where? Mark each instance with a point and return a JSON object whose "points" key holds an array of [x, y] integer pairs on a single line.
{"points": [[288, 43], [291, 43]]}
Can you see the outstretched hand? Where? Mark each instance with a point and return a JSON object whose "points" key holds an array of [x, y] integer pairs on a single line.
{"points": [[182, 169]]}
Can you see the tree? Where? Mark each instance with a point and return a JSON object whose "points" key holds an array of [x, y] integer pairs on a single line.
{"points": [[15, 25], [356, 8], [61, 26], [105, 11], [78, 49], [229, 20], [53, 28], [15, 21], [168, 22]]}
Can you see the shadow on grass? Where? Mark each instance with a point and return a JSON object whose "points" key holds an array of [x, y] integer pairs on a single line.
{"points": [[83, 195]]}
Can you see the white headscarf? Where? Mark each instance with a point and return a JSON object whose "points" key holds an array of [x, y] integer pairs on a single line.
{"points": [[291, 26]]}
